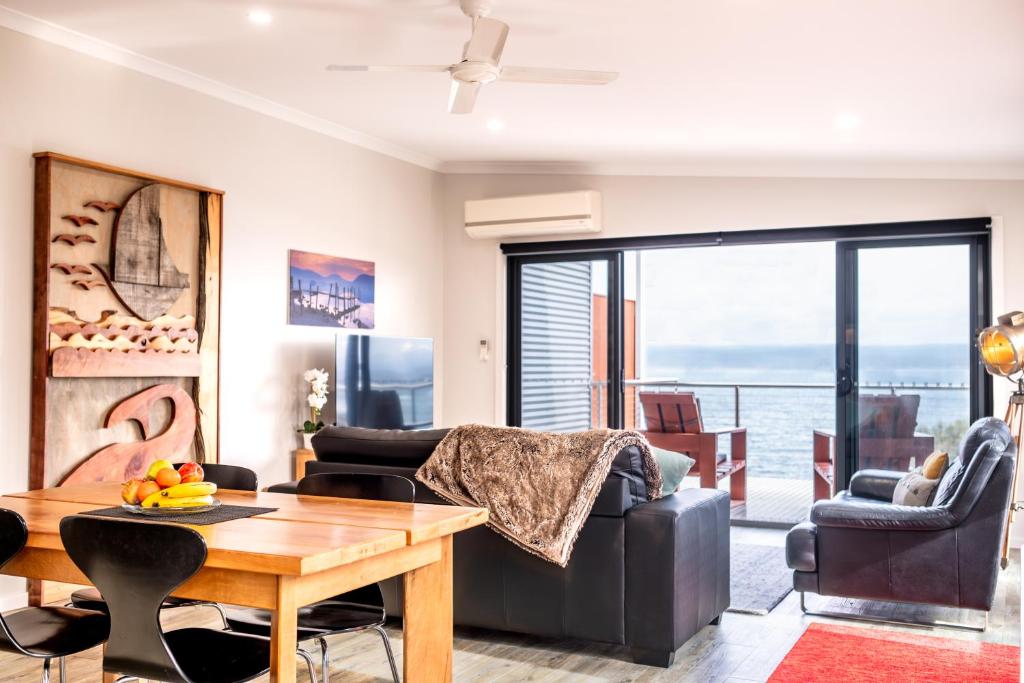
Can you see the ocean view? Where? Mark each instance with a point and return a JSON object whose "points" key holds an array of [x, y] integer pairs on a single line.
{"points": [[780, 422]]}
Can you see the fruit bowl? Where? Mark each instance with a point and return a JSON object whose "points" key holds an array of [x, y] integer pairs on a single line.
{"points": [[167, 490], [170, 511]]}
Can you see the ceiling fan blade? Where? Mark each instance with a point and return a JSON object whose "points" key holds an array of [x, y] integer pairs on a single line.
{"points": [[366, 67], [530, 74], [462, 97], [487, 42]]}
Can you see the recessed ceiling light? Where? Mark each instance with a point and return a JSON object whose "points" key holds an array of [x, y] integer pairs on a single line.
{"points": [[495, 125], [847, 121], [260, 16]]}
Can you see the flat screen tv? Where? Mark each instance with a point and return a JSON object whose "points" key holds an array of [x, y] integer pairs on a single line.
{"points": [[384, 382]]}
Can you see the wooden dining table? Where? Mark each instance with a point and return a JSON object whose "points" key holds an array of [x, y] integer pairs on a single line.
{"points": [[309, 549]]}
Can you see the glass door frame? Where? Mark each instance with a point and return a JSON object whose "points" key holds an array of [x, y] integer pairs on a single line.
{"points": [[616, 368], [847, 353]]}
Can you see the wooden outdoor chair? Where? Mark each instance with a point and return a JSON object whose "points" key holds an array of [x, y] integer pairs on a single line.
{"points": [[674, 423], [887, 440]]}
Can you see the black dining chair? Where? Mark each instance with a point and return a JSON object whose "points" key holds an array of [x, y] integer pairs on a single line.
{"points": [[136, 565], [45, 633], [358, 610], [225, 477]]}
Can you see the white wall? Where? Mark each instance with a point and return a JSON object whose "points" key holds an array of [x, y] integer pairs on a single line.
{"points": [[636, 205], [286, 188]]}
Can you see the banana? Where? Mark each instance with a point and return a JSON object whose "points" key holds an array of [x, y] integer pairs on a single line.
{"points": [[190, 490], [158, 501]]}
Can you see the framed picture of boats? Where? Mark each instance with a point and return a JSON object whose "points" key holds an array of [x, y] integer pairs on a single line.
{"points": [[330, 291]]}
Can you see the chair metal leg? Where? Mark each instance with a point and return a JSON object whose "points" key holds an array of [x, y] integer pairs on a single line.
{"points": [[309, 664], [63, 670], [223, 616], [325, 660], [46, 671], [391, 655], [961, 626]]}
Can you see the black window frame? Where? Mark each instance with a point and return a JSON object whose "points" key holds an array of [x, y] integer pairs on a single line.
{"points": [[976, 231]]}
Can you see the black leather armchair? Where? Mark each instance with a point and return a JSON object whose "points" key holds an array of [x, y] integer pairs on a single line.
{"points": [[860, 545]]}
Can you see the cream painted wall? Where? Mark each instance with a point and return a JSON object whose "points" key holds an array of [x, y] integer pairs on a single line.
{"points": [[474, 276], [286, 188]]}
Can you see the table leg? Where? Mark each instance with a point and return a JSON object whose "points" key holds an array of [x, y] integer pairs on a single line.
{"points": [[427, 644], [283, 633], [107, 678]]}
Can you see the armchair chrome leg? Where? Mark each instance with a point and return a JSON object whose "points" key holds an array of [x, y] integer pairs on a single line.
{"points": [[63, 670], [961, 626], [46, 671], [391, 655], [325, 660], [309, 664]]}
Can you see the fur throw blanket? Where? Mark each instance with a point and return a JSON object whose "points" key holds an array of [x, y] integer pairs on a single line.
{"points": [[539, 487]]}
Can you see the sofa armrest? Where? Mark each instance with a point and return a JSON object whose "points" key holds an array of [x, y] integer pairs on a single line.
{"points": [[677, 569], [881, 516], [875, 484]]}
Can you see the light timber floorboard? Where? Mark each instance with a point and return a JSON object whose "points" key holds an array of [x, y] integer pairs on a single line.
{"points": [[744, 648]]}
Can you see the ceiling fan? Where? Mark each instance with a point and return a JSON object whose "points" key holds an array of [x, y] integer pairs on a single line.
{"points": [[480, 63]]}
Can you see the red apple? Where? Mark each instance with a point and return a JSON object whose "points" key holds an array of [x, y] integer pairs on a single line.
{"points": [[191, 472]]}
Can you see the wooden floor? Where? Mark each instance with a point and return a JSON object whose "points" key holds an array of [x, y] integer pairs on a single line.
{"points": [[744, 648], [775, 501]]}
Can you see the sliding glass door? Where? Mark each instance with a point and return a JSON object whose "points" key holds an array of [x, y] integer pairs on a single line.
{"points": [[744, 321], [909, 377], [566, 336]]}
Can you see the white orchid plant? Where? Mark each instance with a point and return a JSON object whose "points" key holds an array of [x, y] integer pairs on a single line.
{"points": [[317, 398]]}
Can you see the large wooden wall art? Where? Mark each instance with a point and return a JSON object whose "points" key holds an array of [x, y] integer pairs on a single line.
{"points": [[126, 321]]}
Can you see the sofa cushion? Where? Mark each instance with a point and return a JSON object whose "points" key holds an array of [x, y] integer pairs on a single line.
{"points": [[914, 488], [394, 447], [674, 468]]}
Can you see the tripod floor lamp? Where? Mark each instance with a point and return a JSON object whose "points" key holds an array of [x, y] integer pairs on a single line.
{"points": [[1002, 351]]}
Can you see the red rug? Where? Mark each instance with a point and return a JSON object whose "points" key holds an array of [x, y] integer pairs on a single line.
{"points": [[851, 654]]}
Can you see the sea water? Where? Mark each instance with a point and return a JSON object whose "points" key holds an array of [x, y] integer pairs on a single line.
{"points": [[780, 421]]}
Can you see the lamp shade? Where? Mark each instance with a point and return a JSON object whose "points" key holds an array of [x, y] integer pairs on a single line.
{"points": [[1002, 345]]}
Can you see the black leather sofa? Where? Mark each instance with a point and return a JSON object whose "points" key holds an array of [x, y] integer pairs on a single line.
{"points": [[860, 545], [644, 574]]}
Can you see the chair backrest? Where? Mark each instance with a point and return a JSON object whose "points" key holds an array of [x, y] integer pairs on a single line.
{"points": [[977, 489], [229, 476], [677, 413], [135, 565], [389, 487], [13, 536], [888, 416]]}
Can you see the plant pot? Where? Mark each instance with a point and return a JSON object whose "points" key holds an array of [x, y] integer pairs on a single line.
{"points": [[307, 440]]}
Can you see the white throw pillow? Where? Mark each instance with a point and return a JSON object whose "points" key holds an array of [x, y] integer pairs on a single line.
{"points": [[914, 489]]}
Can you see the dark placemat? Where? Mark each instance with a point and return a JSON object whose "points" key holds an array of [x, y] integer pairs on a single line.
{"points": [[224, 513]]}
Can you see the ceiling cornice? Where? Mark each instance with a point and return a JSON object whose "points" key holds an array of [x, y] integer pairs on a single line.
{"points": [[114, 54], [751, 168]]}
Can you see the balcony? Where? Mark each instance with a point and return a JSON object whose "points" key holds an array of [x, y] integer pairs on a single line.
{"points": [[781, 419]]}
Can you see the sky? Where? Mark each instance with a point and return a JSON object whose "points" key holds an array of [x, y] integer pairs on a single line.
{"points": [[784, 294], [326, 266]]}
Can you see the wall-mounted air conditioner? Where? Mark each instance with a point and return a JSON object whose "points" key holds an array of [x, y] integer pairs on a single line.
{"points": [[534, 215]]}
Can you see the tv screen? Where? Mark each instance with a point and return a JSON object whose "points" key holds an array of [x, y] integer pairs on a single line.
{"points": [[384, 382]]}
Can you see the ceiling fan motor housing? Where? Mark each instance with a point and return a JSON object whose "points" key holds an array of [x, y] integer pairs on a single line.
{"points": [[475, 72]]}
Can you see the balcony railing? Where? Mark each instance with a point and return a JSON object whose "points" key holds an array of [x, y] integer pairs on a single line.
{"points": [[600, 388]]}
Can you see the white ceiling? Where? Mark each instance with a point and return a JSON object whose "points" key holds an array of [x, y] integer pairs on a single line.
{"points": [[709, 84]]}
